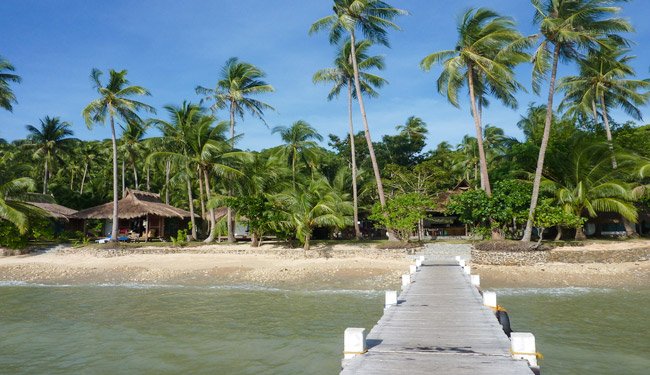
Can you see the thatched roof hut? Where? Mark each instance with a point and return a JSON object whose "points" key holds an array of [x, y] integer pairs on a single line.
{"points": [[48, 204], [135, 204], [443, 198]]}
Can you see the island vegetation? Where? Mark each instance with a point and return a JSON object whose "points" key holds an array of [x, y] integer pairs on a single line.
{"points": [[576, 160]]}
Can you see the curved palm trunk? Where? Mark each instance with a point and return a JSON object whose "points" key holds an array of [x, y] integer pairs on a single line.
{"points": [[528, 232], [168, 167], [46, 171], [135, 176], [307, 245], [148, 179], [201, 199], [353, 158], [115, 186], [366, 128], [191, 202], [83, 179], [213, 224], [231, 215], [123, 179], [608, 131], [485, 180]]}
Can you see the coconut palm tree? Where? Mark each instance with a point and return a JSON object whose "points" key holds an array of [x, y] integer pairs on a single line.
{"points": [[567, 28], [132, 146], [488, 49], [115, 99], [341, 76], [315, 204], [52, 136], [89, 153], [238, 82], [604, 82], [372, 18], [7, 97], [299, 144], [11, 210], [583, 183]]}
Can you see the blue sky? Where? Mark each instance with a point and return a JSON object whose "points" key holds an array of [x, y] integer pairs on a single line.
{"points": [[171, 46]]}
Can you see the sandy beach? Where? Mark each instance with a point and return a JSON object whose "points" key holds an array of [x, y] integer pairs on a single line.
{"points": [[325, 267]]}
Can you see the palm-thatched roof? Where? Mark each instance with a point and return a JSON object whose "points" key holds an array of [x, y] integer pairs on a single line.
{"points": [[135, 204], [443, 198], [47, 203]]}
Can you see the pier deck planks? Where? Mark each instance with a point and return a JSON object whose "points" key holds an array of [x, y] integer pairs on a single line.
{"points": [[439, 326]]}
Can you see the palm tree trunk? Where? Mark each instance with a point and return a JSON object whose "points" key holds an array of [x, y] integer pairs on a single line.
{"points": [[608, 131], [630, 228], [45, 173], [580, 234], [366, 128], [148, 180], [231, 216], [213, 224], [307, 245], [528, 232], [168, 167], [353, 158], [83, 179], [201, 195], [362, 108], [558, 237], [191, 203], [123, 179], [71, 179], [485, 180], [135, 176], [116, 219]]}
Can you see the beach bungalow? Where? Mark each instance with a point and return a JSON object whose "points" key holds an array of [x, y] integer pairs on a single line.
{"points": [[440, 224], [61, 216], [142, 216]]}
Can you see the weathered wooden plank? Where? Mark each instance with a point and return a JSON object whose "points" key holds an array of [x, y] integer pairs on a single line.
{"points": [[438, 326]]}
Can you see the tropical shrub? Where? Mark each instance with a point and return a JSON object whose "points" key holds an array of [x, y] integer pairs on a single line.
{"points": [[402, 214]]}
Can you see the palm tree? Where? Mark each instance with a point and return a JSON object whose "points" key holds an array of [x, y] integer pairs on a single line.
{"points": [[567, 27], [603, 81], [10, 210], [89, 152], [51, 136], [132, 145], [488, 49], [7, 96], [342, 75], [583, 183], [414, 128], [237, 83], [371, 18], [114, 100], [315, 204], [299, 144]]}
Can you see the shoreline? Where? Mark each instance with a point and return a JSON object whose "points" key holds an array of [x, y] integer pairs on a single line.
{"points": [[331, 267]]}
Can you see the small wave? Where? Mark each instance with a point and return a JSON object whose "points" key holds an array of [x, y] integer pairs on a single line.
{"points": [[568, 291], [6, 283]]}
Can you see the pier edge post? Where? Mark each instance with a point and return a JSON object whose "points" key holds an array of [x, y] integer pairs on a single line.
{"points": [[354, 342], [391, 299], [475, 280], [522, 346], [490, 299]]}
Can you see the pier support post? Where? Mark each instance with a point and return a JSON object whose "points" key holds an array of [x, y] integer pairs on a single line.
{"points": [[490, 299], [467, 270], [406, 280], [354, 342], [421, 258], [418, 263], [391, 299], [522, 346], [461, 263], [413, 269], [475, 280]]}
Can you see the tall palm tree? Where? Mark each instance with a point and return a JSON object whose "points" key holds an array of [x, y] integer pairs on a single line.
{"points": [[51, 136], [603, 82], [89, 153], [342, 75], [238, 82], [115, 99], [299, 144], [7, 97], [567, 28], [488, 48], [11, 210], [372, 18], [414, 128]]}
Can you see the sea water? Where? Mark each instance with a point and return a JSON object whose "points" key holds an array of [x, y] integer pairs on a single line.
{"points": [[141, 329]]}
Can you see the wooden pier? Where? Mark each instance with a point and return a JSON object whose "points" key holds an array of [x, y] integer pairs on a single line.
{"points": [[438, 326]]}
